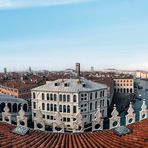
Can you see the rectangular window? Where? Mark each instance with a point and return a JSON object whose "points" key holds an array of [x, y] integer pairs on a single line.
{"points": [[68, 119], [34, 105], [34, 114], [64, 119], [48, 116]]}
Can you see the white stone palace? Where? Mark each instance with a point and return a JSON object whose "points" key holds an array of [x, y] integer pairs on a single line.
{"points": [[68, 97]]}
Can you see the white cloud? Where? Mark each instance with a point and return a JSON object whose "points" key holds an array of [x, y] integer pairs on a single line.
{"points": [[11, 4]]}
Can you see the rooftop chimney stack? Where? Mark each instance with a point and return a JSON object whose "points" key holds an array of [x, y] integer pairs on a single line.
{"points": [[78, 69]]}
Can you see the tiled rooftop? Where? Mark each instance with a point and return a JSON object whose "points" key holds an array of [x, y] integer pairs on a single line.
{"points": [[38, 139], [74, 85]]}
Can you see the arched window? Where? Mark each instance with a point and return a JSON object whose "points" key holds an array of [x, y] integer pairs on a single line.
{"points": [[74, 98], [43, 97], [9, 106], [25, 107], [33, 95], [43, 106], [68, 98], [64, 98], [55, 97], [96, 105], [48, 107], [127, 90], [60, 97], [96, 95], [121, 90], [51, 107], [101, 94], [19, 107], [55, 107], [90, 96], [60, 108], [47, 96], [74, 109], [51, 97], [64, 108], [90, 106], [68, 109], [124, 90], [90, 117], [14, 107]]}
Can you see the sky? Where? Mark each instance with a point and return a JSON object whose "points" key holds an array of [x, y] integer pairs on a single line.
{"points": [[55, 34]]}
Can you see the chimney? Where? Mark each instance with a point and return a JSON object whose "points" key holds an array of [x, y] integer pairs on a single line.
{"points": [[78, 69]]}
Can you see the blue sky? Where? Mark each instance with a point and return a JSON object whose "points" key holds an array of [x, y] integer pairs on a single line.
{"points": [[55, 34]]}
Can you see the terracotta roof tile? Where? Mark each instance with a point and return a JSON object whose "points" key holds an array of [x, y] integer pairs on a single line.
{"points": [[107, 138]]}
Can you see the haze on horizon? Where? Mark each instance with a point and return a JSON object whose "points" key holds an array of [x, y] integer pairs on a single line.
{"points": [[54, 35]]}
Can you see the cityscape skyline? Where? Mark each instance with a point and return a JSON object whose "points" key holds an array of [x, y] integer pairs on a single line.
{"points": [[55, 35]]}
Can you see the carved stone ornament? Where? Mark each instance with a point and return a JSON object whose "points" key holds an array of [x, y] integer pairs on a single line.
{"points": [[39, 123], [115, 119], [58, 125], [21, 119], [97, 122], [78, 124], [130, 117], [6, 115], [144, 111]]}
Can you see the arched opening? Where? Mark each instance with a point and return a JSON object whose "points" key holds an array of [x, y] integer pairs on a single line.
{"points": [[124, 90], [2, 106], [60, 108], [48, 107], [91, 95], [9, 106], [127, 90], [121, 90], [130, 120], [97, 126], [118, 90], [90, 118], [22, 123], [14, 107], [74, 98], [55, 107], [6, 119], [55, 97], [64, 98], [90, 106], [143, 116], [115, 123], [39, 125], [96, 95], [68, 109], [68, 98], [115, 90], [19, 107], [58, 128], [64, 108], [25, 107], [131, 90]]}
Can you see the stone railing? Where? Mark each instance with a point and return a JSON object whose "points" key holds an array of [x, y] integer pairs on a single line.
{"points": [[58, 124]]}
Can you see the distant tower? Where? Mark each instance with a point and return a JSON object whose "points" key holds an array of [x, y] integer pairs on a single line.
{"points": [[5, 71], [30, 71], [78, 69], [92, 69]]}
